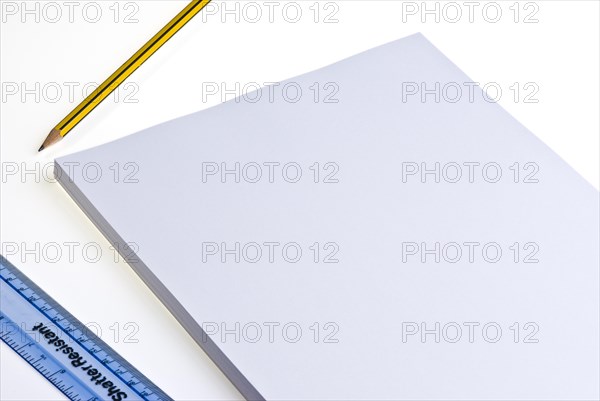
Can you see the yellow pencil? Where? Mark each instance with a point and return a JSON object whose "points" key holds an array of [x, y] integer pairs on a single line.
{"points": [[108, 86]]}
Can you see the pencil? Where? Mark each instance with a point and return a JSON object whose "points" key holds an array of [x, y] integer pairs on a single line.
{"points": [[120, 75]]}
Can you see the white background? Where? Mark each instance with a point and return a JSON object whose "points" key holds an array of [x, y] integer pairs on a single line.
{"points": [[558, 54]]}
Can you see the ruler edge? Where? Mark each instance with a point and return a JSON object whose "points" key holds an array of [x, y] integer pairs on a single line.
{"points": [[73, 320], [166, 298]]}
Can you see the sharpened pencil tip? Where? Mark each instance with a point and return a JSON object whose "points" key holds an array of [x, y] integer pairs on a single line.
{"points": [[53, 137]]}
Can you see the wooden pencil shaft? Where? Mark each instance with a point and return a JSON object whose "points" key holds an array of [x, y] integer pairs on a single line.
{"points": [[134, 62]]}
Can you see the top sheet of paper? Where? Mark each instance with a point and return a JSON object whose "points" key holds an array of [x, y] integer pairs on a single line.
{"points": [[376, 229]]}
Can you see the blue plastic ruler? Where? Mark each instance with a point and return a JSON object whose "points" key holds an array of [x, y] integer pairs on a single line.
{"points": [[61, 349]]}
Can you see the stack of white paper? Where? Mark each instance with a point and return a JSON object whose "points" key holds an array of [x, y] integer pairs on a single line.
{"points": [[362, 239]]}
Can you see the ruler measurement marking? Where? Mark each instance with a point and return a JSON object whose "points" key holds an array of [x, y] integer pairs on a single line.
{"points": [[54, 373], [29, 362]]}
